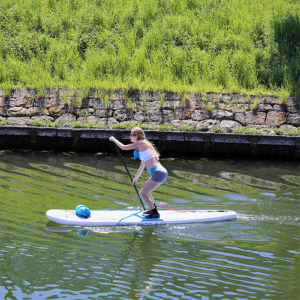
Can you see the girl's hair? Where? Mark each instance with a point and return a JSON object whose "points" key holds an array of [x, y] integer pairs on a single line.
{"points": [[140, 134]]}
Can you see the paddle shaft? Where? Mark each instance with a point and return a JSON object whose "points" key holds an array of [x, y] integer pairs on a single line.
{"points": [[119, 153]]}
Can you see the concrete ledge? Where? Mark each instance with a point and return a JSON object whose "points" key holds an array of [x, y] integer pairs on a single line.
{"points": [[170, 143]]}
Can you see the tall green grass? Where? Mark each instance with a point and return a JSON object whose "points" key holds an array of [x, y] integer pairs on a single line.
{"points": [[168, 45]]}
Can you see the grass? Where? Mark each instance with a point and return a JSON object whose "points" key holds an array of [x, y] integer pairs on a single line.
{"points": [[232, 46], [245, 130], [255, 104], [283, 97], [40, 123], [3, 122], [294, 132], [78, 124], [130, 105], [128, 126], [218, 129], [161, 100]]}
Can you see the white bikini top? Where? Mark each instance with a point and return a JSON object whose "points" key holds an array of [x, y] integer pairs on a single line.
{"points": [[145, 155]]}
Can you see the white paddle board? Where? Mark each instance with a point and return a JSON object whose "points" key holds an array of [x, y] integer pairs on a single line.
{"points": [[136, 217]]}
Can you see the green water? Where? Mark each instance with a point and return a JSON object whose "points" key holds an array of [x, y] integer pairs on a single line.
{"points": [[254, 257]]}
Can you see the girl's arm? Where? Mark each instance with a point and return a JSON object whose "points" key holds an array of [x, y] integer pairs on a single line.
{"points": [[122, 146], [138, 173]]}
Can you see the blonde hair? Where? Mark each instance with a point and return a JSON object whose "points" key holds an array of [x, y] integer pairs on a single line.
{"points": [[140, 134]]}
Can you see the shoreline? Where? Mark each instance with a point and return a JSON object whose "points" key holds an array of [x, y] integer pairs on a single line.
{"points": [[170, 143]]}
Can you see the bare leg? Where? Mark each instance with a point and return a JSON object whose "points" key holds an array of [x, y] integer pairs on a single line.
{"points": [[146, 190], [151, 197]]}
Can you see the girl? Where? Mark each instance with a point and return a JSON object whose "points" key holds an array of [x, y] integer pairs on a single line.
{"points": [[149, 157]]}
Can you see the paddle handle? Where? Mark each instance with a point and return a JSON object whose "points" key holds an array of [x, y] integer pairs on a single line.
{"points": [[119, 153]]}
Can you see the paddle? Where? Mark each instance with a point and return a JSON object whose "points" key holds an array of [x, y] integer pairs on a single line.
{"points": [[119, 153]]}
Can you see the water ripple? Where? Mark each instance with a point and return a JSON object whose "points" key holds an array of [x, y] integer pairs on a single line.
{"points": [[253, 257]]}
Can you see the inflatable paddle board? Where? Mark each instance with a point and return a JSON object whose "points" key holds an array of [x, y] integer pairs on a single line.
{"points": [[136, 217]]}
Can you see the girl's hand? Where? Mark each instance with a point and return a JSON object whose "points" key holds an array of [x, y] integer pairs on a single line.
{"points": [[112, 139], [134, 181]]}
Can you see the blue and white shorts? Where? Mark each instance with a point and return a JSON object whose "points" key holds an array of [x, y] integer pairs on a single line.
{"points": [[158, 174]]}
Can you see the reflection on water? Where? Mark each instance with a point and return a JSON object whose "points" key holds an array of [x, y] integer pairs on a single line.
{"points": [[253, 257]]}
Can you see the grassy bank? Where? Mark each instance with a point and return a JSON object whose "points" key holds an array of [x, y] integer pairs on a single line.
{"points": [[235, 46]]}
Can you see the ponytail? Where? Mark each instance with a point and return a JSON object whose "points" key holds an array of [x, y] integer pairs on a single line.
{"points": [[152, 148]]}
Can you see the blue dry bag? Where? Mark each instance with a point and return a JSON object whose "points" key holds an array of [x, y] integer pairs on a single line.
{"points": [[136, 154], [82, 211]]}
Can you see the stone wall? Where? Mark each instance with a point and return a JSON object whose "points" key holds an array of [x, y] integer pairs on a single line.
{"points": [[206, 112]]}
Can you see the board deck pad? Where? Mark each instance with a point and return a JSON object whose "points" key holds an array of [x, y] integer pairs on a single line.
{"points": [[136, 217]]}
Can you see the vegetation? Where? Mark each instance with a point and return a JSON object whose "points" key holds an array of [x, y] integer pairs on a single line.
{"points": [[40, 123], [294, 132], [255, 104], [246, 130], [181, 46], [78, 124], [218, 129], [3, 122], [163, 127]]}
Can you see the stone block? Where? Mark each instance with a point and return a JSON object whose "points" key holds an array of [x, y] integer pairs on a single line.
{"points": [[168, 105], [88, 103], [294, 119], [66, 120], [16, 111], [103, 113], [90, 119], [50, 102], [287, 128], [168, 116], [108, 121], [271, 100], [275, 119], [3, 111], [278, 107], [43, 111], [45, 119], [18, 121], [117, 104], [250, 118], [86, 112], [93, 120], [207, 125], [99, 104], [31, 111], [199, 115], [184, 123], [240, 98], [222, 115], [234, 108], [229, 125], [171, 97], [124, 115], [55, 94], [141, 117], [20, 93], [223, 97], [264, 107], [294, 105], [27, 102], [155, 115], [56, 111], [152, 96]]}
